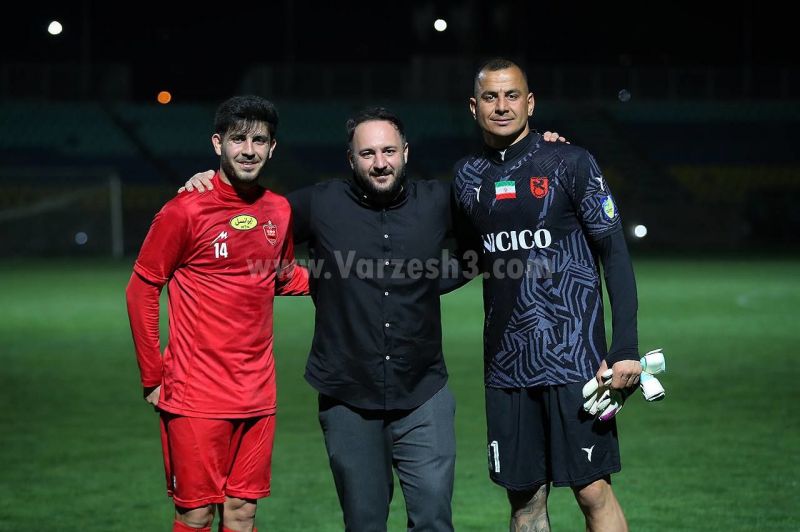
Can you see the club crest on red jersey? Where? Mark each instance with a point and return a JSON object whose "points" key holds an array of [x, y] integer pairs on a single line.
{"points": [[539, 187], [271, 232]]}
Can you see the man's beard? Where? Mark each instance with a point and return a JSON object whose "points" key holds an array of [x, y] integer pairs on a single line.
{"points": [[381, 195], [233, 176]]}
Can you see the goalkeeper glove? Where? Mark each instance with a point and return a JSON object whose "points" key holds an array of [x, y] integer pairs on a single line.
{"points": [[652, 363], [602, 399]]}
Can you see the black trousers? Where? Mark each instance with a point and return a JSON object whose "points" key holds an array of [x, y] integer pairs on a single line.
{"points": [[365, 445]]}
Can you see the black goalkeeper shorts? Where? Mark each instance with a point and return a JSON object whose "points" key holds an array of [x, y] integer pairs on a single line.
{"points": [[542, 434]]}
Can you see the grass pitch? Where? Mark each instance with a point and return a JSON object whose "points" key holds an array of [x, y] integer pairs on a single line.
{"points": [[79, 449]]}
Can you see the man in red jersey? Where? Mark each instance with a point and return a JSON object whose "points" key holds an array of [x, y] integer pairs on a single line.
{"points": [[224, 255]]}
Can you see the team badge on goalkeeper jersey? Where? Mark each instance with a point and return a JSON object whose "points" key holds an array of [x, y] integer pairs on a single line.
{"points": [[539, 187], [271, 232], [608, 208]]}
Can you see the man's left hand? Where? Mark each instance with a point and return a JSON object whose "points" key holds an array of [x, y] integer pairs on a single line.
{"points": [[152, 394], [605, 400], [626, 374]]}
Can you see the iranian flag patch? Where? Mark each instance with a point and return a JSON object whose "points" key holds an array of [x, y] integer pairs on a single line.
{"points": [[505, 190]]}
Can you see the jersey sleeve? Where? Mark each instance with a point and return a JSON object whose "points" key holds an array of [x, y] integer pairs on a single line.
{"points": [[464, 246], [596, 208], [165, 247], [142, 299], [621, 285], [162, 252], [464, 196]]}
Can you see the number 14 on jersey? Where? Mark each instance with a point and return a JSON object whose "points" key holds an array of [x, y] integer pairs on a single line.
{"points": [[220, 250], [220, 246]]}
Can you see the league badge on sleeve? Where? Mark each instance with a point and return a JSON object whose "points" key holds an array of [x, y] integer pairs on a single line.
{"points": [[609, 209], [271, 232], [539, 187]]}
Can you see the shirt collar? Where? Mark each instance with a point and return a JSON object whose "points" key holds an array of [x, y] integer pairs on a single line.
{"points": [[227, 191], [363, 198], [513, 151]]}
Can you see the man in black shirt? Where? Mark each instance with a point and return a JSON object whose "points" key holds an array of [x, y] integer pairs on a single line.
{"points": [[376, 358]]}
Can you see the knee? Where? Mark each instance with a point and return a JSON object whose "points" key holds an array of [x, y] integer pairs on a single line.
{"points": [[195, 517], [594, 495], [239, 513], [433, 494], [530, 501]]}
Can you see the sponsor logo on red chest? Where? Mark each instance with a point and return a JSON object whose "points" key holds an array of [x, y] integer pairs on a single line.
{"points": [[243, 222], [271, 232], [539, 187]]}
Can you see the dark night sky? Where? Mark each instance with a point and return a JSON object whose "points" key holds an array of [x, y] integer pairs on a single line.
{"points": [[208, 50]]}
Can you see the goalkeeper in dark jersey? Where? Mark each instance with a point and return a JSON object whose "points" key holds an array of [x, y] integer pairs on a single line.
{"points": [[543, 220]]}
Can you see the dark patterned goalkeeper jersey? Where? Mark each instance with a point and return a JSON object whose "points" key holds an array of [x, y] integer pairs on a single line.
{"points": [[542, 211]]}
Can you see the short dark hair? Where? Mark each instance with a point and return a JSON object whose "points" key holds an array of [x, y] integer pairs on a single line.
{"points": [[373, 113], [495, 64], [240, 112]]}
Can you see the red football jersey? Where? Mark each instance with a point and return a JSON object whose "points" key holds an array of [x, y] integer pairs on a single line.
{"points": [[223, 260]]}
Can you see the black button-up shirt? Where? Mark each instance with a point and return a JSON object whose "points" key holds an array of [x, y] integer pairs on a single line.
{"points": [[377, 337]]}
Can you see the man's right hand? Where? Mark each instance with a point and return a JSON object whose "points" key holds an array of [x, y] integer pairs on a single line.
{"points": [[201, 182], [552, 136], [151, 395]]}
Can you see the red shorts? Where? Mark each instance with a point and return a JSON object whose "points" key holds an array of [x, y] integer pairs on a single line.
{"points": [[206, 460]]}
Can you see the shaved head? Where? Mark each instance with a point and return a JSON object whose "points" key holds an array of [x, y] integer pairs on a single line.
{"points": [[493, 65]]}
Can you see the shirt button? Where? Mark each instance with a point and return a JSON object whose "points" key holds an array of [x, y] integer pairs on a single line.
{"points": [[385, 236], [386, 293], [386, 324], [388, 357]]}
